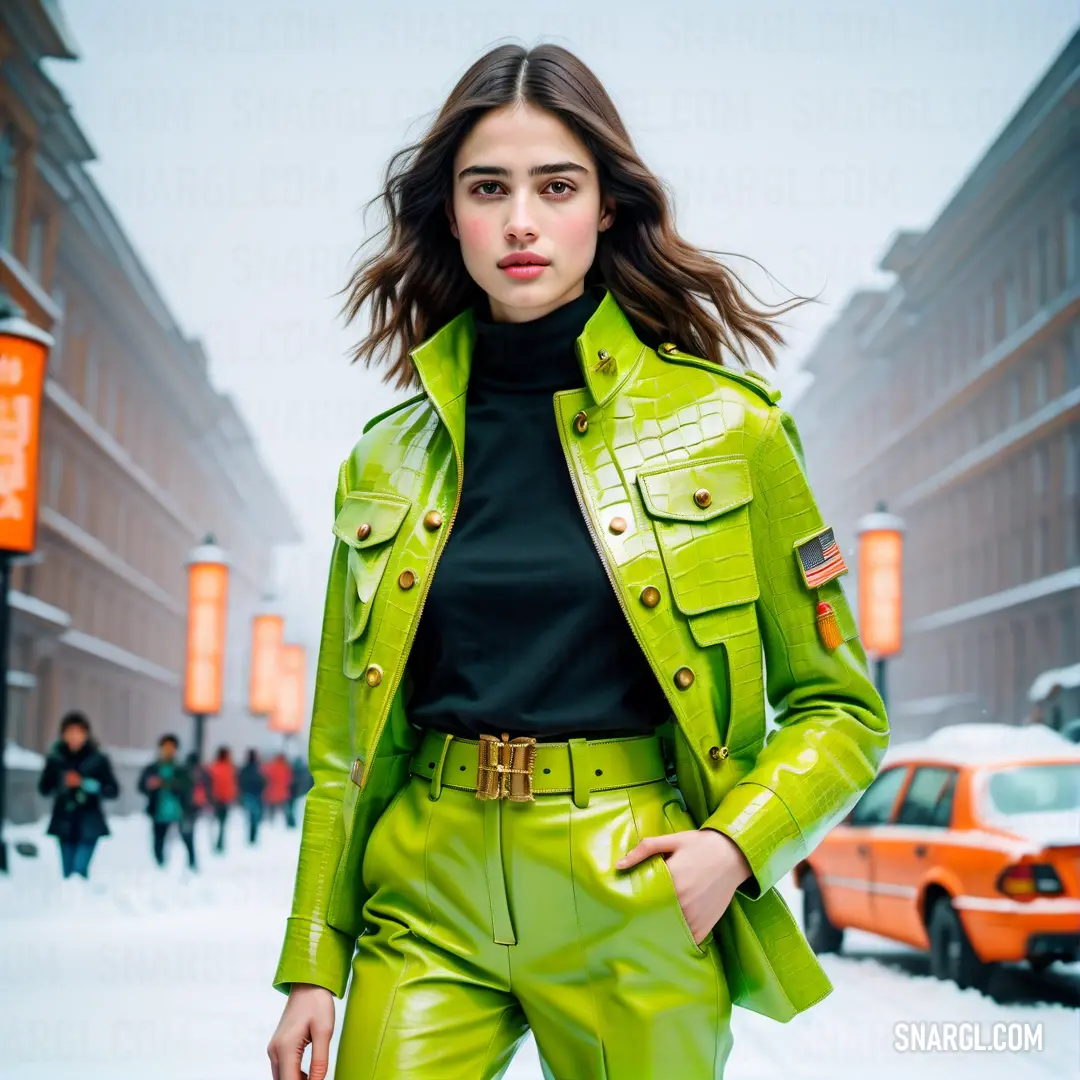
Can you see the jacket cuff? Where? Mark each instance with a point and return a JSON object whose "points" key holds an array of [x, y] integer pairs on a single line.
{"points": [[316, 954], [756, 819]]}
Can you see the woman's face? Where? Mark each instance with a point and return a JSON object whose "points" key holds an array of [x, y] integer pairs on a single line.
{"points": [[498, 210]]}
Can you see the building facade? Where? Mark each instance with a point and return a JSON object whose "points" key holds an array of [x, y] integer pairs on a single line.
{"points": [[141, 457], [954, 397]]}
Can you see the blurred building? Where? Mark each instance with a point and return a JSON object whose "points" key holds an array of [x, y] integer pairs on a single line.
{"points": [[954, 397], [141, 457]]}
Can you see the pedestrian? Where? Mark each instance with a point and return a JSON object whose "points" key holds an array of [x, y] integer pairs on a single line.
{"points": [[298, 788], [200, 782], [168, 785], [278, 773], [224, 791], [252, 782], [79, 775], [566, 572]]}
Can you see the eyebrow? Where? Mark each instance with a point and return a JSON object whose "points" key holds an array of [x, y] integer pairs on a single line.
{"points": [[536, 170]]}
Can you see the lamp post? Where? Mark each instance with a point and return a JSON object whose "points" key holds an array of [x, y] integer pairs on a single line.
{"points": [[24, 352], [881, 589], [208, 590]]}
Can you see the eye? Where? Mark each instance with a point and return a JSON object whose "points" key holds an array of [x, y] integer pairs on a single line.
{"points": [[567, 188], [487, 184]]}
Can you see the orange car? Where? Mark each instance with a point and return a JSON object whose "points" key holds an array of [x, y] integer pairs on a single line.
{"points": [[966, 844]]}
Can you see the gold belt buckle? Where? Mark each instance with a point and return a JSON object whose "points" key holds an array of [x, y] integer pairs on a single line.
{"points": [[505, 768]]}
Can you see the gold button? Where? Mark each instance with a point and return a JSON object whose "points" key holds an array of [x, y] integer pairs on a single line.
{"points": [[668, 347], [432, 520], [650, 596], [683, 678], [373, 675], [718, 753], [603, 354], [581, 423], [406, 579], [356, 773], [617, 525], [702, 497], [363, 532]]}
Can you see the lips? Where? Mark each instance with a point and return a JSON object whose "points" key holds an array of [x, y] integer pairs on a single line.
{"points": [[523, 258]]}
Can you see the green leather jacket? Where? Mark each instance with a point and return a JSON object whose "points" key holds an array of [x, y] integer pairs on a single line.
{"points": [[645, 434]]}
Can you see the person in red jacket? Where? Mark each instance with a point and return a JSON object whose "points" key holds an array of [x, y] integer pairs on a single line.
{"points": [[224, 790], [278, 773]]}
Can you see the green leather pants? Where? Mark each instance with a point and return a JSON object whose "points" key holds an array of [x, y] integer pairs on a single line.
{"points": [[491, 917]]}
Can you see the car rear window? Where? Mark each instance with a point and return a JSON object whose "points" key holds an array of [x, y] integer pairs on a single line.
{"points": [[1033, 789]]}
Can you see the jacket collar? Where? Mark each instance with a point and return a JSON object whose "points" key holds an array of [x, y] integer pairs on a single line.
{"points": [[443, 361]]}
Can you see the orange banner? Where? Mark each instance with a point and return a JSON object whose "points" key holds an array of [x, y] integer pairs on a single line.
{"points": [[288, 714], [22, 377], [267, 632], [208, 586], [881, 592]]}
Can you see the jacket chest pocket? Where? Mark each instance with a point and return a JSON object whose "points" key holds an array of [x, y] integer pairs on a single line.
{"points": [[368, 522], [700, 515]]}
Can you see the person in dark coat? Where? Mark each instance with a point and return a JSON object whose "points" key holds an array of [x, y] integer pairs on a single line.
{"points": [[252, 785], [79, 775], [168, 785], [300, 786]]}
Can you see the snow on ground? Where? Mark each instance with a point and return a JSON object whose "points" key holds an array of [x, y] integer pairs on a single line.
{"points": [[148, 973]]}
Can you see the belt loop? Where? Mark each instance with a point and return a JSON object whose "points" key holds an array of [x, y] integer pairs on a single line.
{"points": [[579, 771], [436, 776]]}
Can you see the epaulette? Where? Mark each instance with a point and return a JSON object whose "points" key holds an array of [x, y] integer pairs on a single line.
{"points": [[752, 380], [393, 409]]}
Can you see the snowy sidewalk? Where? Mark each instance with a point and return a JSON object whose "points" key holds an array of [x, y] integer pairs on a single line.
{"points": [[148, 973]]}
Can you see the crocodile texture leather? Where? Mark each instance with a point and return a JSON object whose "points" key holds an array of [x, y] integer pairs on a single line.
{"points": [[661, 427]]}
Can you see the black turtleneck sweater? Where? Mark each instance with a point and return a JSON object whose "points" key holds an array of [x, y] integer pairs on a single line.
{"points": [[522, 631]]}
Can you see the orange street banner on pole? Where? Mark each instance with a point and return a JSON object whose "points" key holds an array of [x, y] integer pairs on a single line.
{"points": [[288, 714], [22, 378], [208, 587], [267, 632], [881, 589]]}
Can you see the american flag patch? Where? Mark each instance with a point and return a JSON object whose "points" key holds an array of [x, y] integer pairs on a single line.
{"points": [[820, 559]]}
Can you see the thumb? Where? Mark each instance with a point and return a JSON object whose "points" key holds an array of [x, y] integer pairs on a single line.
{"points": [[649, 845], [320, 1052]]}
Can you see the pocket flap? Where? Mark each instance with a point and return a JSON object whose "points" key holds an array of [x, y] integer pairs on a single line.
{"points": [[383, 514], [677, 492]]}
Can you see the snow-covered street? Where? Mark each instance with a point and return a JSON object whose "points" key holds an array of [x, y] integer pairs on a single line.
{"points": [[146, 973]]}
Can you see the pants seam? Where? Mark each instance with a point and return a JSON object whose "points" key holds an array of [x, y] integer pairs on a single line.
{"points": [[491, 1042], [386, 1019]]}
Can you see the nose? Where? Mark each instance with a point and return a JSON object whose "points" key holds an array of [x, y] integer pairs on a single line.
{"points": [[520, 223]]}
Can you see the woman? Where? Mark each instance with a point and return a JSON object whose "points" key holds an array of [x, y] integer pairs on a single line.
{"points": [[79, 775], [542, 793]]}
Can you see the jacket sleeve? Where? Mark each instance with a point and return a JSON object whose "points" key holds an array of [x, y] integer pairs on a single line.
{"points": [[144, 779], [313, 951], [110, 789], [50, 775], [832, 730]]}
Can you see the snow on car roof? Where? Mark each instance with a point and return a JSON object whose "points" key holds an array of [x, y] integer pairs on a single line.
{"points": [[986, 744]]}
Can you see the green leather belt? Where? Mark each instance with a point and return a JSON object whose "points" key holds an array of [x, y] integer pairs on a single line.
{"points": [[575, 767]]}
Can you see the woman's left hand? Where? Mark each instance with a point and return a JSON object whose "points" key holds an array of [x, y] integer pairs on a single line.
{"points": [[706, 868]]}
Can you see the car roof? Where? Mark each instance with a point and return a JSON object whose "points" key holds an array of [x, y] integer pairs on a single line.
{"points": [[984, 745]]}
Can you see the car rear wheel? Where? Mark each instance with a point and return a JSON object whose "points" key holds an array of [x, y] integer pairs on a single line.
{"points": [[951, 954], [822, 935]]}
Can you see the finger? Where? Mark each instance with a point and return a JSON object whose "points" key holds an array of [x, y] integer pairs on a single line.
{"points": [[289, 1061], [650, 845], [320, 1051], [275, 1070]]}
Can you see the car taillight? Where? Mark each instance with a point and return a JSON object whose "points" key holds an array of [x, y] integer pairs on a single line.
{"points": [[1025, 881]]}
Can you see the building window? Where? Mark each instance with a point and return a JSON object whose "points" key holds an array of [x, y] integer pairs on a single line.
{"points": [[1072, 461], [1072, 357], [1040, 469], [91, 377], [1067, 652], [1042, 381], [1013, 400], [9, 185], [55, 480], [1042, 548], [1072, 244], [35, 251], [1042, 268]]}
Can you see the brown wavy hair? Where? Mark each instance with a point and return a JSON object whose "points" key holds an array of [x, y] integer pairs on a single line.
{"points": [[668, 289]]}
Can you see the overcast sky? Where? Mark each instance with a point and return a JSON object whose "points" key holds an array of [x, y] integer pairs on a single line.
{"points": [[237, 143]]}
